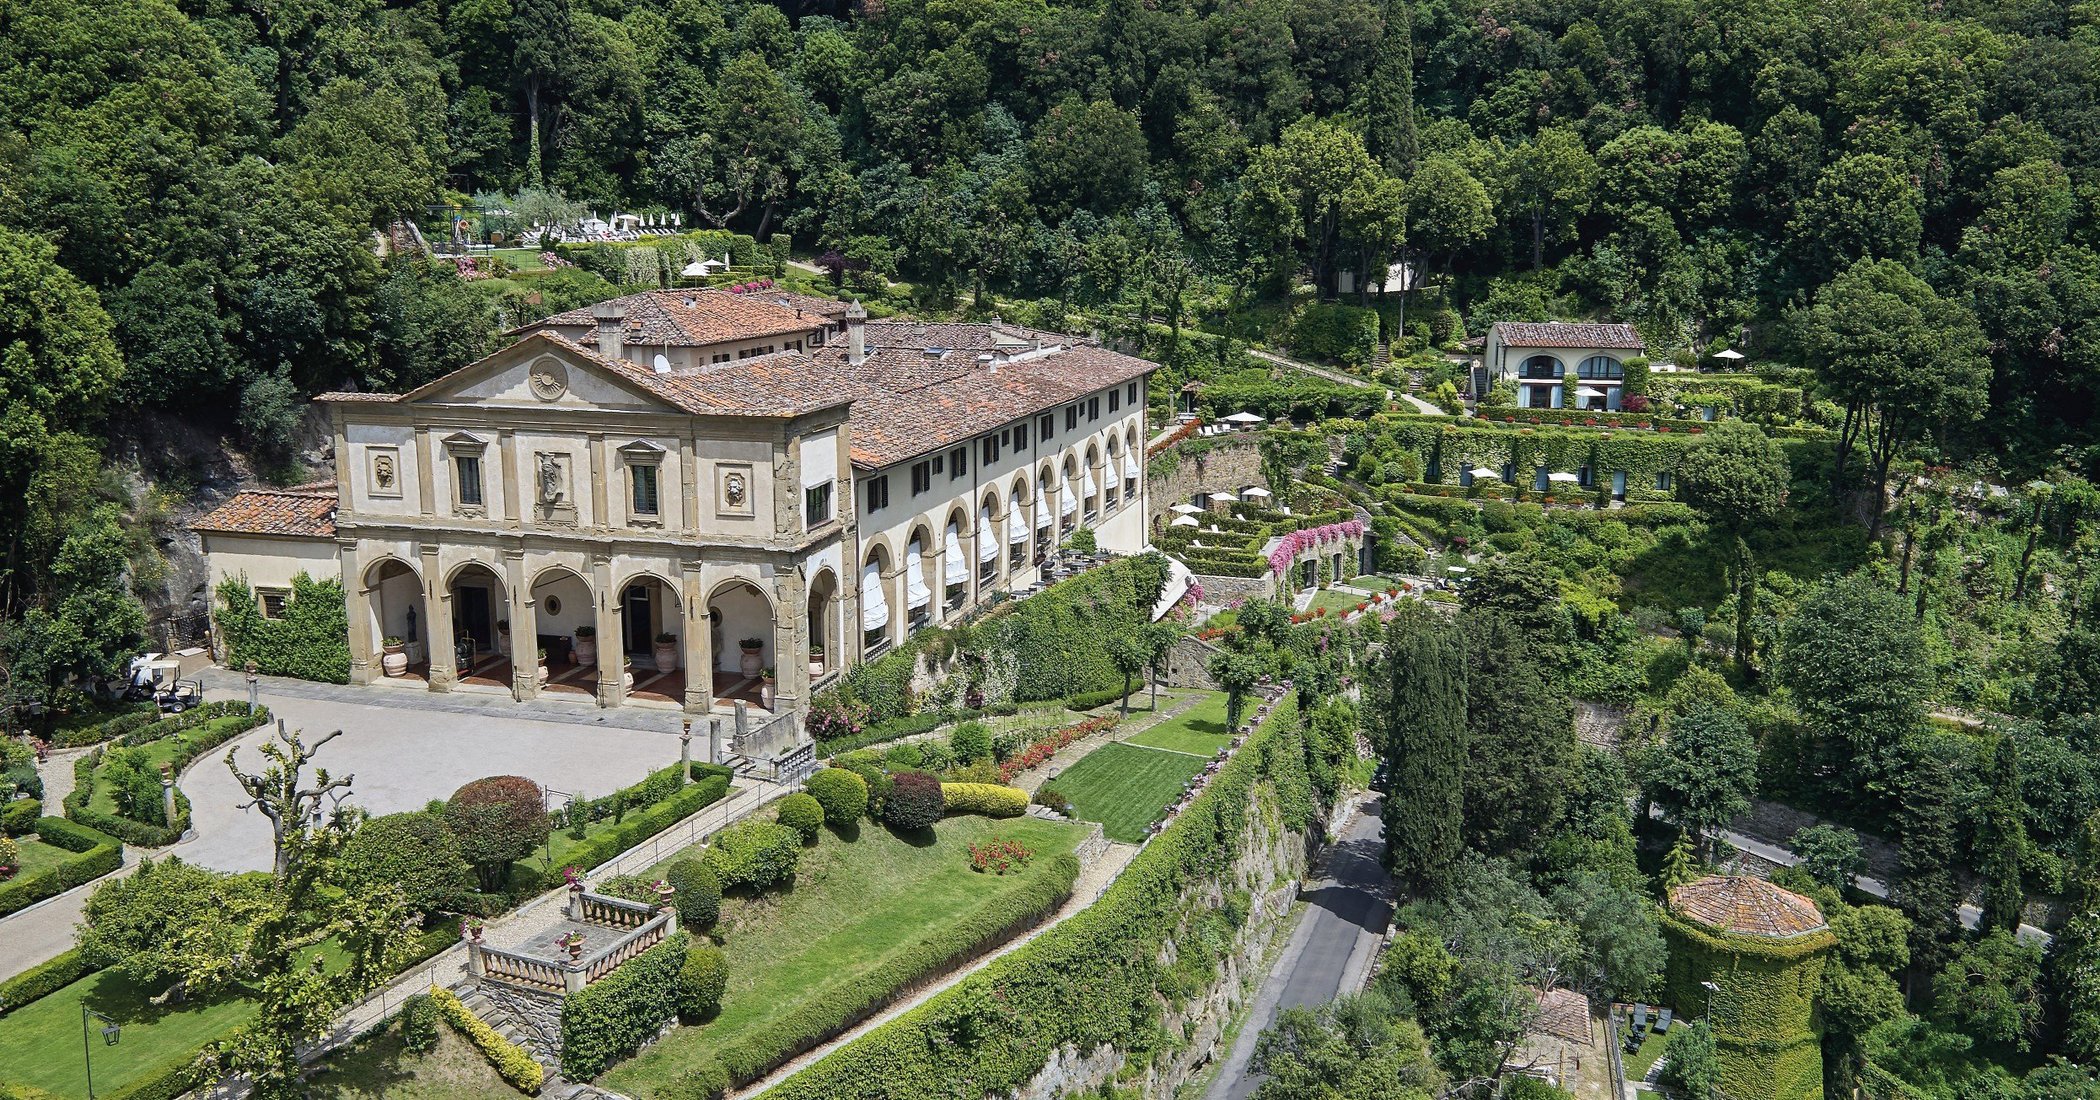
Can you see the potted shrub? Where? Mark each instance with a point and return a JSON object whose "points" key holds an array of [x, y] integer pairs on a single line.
{"points": [[503, 635], [470, 929], [666, 652], [395, 660], [765, 686], [816, 661], [539, 673], [573, 944], [586, 645], [750, 662]]}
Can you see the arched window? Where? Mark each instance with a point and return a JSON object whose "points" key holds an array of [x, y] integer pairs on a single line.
{"points": [[1542, 366], [1601, 366]]}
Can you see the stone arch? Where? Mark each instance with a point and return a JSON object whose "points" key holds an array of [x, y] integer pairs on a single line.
{"points": [[919, 571], [480, 613], [645, 605], [742, 612], [825, 644], [878, 609], [391, 589]]}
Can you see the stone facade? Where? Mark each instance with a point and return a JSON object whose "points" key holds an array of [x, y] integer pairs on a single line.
{"points": [[1229, 465]]}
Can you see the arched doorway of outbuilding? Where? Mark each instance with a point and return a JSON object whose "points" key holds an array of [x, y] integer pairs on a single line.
{"points": [[565, 629], [480, 622], [744, 649], [397, 621], [652, 639]]}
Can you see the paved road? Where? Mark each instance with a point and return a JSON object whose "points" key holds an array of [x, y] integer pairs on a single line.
{"points": [[1330, 952], [405, 748]]}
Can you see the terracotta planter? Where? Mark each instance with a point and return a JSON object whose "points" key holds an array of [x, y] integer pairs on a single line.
{"points": [[395, 662], [575, 952], [666, 654], [586, 649], [750, 661]]}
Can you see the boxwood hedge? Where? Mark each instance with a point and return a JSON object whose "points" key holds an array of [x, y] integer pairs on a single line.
{"points": [[99, 856], [612, 1017]]}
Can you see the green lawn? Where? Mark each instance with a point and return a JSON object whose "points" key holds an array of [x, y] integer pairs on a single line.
{"points": [[1199, 730], [1336, 603], [378, 1067], [1643, 1059], [853, 905], [1126, 788], [40, 1042], [157, 753], [38, 857]]}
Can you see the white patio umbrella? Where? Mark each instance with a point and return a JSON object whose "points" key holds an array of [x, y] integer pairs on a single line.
{"points": [[1185, 509], [1454, 569], [1486, 471], [1244, 418], [1591, 391], [1562, 476], [1255, 491], [1728, 353], [1185, 521]]}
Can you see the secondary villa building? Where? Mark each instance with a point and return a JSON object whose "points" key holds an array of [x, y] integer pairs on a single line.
{"points": [[1541, 357], [695, 498]]}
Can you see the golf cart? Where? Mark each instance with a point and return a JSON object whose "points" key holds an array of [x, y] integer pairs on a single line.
{"points": [[158, 677]]}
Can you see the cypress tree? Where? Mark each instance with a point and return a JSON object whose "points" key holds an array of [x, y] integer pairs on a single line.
{"points": [[1926, 890], [2004, 842], [1425, 744], [2074, 957], [1520, 736], [1388, 103]]}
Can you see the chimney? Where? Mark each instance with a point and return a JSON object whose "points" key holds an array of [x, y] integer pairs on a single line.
{"points": [[612, 328], [856, 334]]}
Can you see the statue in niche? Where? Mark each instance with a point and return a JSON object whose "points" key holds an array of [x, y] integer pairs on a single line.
{"points": [[383, 471], [553, 478], [733, 489]]}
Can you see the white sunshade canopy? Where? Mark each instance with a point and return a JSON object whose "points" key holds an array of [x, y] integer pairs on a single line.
{"points": [[1042, 508], [1484, 471], [987, 535], [1130, 466], [1256, 491], [1562, 477], [1244, 418], [1728, 353], [874, 607], [1591, 391], [1185, 509], [1016, 524], [1186, 521], [1090, 489], [1066, 502], [916, 594], [955, 569]]}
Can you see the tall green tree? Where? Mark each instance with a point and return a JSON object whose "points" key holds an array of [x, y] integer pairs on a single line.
{"points": [[1705, 772], [1387, 99], [1422, 731], [1520, 738], [1855, 661], [2002, 841], [2074, 955], [1737, 478], [1926, 890]]}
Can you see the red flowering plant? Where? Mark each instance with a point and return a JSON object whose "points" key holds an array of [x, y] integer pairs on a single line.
{"points": [[838, 718], [999, 855]]}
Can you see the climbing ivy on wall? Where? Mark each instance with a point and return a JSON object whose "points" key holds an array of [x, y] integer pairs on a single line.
{"points": [[310, 642], [1763, 1010]]}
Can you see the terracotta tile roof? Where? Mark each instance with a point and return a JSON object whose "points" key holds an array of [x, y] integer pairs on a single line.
{"points": [[784, 384], [684, 318], [829, 309], [1561, 334], [303, 511], [1564, 1014], [1747, 906]]}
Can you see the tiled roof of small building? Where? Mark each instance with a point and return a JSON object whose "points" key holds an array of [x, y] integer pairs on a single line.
{"points": [[687, 318], [1747, 907], [1564, 1014], [1562, 334], [303, 511], [830, 309]]}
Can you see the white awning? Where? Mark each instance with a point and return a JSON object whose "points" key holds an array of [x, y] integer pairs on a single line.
{"points": [[1091, 489], [1591, 391], [1562, 476], [1486, 471], [954, 568], [1255, 491], [1185, 509], [987, 536], [1130, 466], [1066, 503], [874, 608], [916, 594], [1016, 525], [1185, 521], [1043, 518]]}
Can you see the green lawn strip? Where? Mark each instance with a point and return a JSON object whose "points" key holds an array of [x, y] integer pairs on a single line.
{"points": [[1336, 603], [154, 1037], [854, 904], [38, 857], [40, 1042], [1125, 787], [1643, 1059], [1199, 730], [378, 1067]]}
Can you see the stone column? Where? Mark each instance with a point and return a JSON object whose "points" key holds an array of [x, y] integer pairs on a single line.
{"points": [[714, 741], [357, 606], [524, 632], [437, 629], [612, 658], [790, 640], [699, 661]]}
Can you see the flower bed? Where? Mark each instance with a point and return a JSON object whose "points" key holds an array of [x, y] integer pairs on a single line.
{"points": [[1040, 752]]}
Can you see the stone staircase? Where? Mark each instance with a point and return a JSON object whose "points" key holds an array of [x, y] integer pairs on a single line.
{"points": [[1381, 358]]}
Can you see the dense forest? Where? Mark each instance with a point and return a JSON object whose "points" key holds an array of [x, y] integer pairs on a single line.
{"points": [[193, 195]]}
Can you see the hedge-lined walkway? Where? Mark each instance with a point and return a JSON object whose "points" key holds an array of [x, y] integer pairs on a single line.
{"points": [[45, 930]]}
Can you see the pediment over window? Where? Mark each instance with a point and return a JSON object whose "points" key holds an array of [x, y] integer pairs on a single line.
{"points": [[463, 441]]}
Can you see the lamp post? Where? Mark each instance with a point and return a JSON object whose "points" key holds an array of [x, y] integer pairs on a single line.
{"points": [[251, 687], [111, 1031]]}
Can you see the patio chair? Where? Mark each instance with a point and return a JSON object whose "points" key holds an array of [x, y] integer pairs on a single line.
{"points": [[1663, 1024], [1640, 1018]]}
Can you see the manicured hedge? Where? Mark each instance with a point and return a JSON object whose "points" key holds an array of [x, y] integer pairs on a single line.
{"points": [[510, 1060], [100, 858], [60, 833], [895, 728], [183, 1073], [216, 724], [986, 799], [96, 734], [1095, 980], [843, 795], [760, 1051], [1088, 700], [612, 1017], [638, 827], [43, 979]]}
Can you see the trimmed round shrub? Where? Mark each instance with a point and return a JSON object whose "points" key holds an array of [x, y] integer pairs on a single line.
{"points": [[497, 820], [419, 1024], [701, 982], [754, 854], [986, 799], [18, 818], [804, 814], [1054, 800], [843, 795], [699, 896], [971, 742], [414, 851], [869, 767], [904, 756], [914, 803]]}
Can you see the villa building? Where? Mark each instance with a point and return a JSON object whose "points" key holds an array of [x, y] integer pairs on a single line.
{"points": [[694, 498], [1542, 356]]}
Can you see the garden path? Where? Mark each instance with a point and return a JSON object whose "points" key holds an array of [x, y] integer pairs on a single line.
{"points": [[45, 930], [1095, 877], [1034, 778]]}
